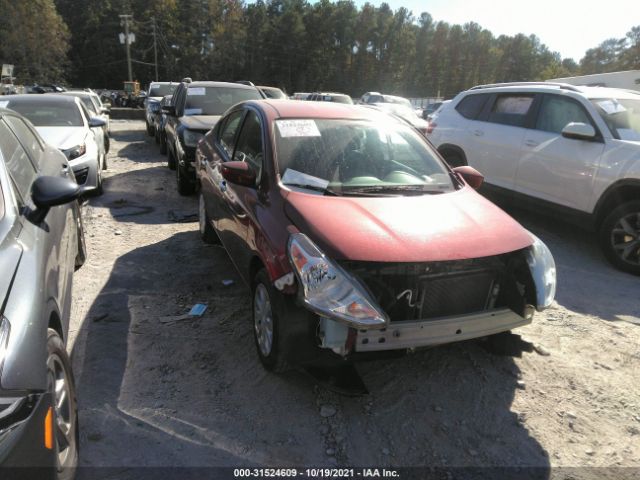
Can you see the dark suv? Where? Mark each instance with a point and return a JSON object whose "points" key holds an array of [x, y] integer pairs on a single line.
{"points": [[194, 110]]}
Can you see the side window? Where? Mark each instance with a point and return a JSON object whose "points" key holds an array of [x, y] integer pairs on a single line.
{"points": [[471, 105], [27, 137], [511, 109], [17, 161], [227, 133], [249, 147], [557, 111]]}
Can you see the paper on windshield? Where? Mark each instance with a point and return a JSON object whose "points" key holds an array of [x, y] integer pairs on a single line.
{"points": [[4, 104], [297, 128], [193, 111], [295, 177], [196, 91], [611, 106]]}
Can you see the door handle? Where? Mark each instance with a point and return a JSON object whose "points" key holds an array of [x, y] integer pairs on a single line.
{"points": [[223, 186], [531, 143], [478, 133]]}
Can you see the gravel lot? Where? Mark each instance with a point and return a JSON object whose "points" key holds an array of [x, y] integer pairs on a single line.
{"points": [[157, 390]]}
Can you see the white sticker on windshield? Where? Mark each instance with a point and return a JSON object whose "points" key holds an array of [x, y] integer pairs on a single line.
{"points": [[193, 111], [611, 106], [294, 177], [4, 104], [196, 91], [297, 128]]}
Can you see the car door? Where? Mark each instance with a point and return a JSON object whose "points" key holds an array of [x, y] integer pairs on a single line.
{"points": [[55, 239], [215, 189], [495, 139], [171, 124], [554, 168]]}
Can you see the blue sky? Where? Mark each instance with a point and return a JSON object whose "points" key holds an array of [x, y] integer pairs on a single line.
{"points": [[569, 27]]}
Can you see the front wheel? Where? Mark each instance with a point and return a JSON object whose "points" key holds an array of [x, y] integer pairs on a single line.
{"points": [[81, 256], [620, 237], [185, 187], [207, 233], [266, 324], [62, 388], [150, 130]]}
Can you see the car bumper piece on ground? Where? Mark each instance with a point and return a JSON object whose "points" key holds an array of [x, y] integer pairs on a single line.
{"points": [[414, 334]]}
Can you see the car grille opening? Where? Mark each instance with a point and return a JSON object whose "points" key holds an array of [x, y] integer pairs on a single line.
{"points": [[422, 291], [81, 175]]}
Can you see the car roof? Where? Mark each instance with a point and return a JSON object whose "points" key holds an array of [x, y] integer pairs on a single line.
{"points": [[281, 109], [541, 87], [203, 83]]}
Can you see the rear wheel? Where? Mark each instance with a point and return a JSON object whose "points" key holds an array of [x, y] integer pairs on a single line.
{"points": [[620, 237], [266, 324], [207, 233], [61, 386]]}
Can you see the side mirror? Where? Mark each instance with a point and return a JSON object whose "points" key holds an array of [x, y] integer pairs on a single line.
{"points": [[239, 173], [95, 122], [470, 175], [579, 131], [169, 110], [47, 192]]}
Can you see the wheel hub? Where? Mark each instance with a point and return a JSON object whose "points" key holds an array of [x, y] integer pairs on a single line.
{"points": [[263, 320], [64, 427], [625, 238]]}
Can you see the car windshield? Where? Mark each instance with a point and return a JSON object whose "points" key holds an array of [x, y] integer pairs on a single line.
{"points": [[49, 114], [161, 90], [338, 99], [397, 100], [398, 109], [357, 157], [272, 92], [622, 116], [216, 100]]}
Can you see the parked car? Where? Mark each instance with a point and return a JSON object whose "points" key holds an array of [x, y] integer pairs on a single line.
{"points": [[572, 152], [429, 109], [157, 91], [408, 114], [41, 243], [273, 92], [195, 108], [96, 109], [355, 236], [330, 97], [159, 121], [300, 96], [64, 122], [377, 97]]}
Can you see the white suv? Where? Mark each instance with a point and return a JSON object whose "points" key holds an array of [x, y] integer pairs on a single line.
{"points": [[567, 150]]}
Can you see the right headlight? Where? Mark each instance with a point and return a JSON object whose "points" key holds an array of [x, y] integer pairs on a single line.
{"points": [[76, 151], [543, 271], [328, 290]]}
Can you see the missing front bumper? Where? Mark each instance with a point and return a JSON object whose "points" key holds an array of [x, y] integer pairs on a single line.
{"points": [[414, 334]]}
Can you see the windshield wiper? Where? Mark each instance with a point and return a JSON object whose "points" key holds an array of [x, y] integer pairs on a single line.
{"points": [[392, 188], [315, 188]]}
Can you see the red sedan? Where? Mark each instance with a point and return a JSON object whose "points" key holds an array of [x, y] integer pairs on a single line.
{"points": [[354, 235]]}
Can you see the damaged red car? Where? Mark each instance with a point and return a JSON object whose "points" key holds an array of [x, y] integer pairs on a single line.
{"points": [[355, 236]]}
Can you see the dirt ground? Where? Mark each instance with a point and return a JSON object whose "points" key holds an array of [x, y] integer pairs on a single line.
{"points": [[155, 390]]}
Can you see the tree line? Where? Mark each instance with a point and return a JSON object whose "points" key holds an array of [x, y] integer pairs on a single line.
{"points": [[292, 44]]}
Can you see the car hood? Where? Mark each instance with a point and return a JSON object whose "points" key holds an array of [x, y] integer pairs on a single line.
{"points": [[63, 137], [199, 122], [448, 226]]}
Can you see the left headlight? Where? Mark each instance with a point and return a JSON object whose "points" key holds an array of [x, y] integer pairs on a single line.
{"points": [[328, 290], [192, 138], [543, 271], [5, 328], [76, 151]]}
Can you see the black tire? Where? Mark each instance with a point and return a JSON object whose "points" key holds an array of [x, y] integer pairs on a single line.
{"points": [[150, 130], [81, 257], [207, 233], [104, 162], [171, 160], [156, 136], [185, 187], [107, 143], [272, 358], [622, 227], [59, 368]]}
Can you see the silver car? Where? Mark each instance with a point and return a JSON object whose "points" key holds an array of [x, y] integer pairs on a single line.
{"points": [[41, 242], [64, 122]]}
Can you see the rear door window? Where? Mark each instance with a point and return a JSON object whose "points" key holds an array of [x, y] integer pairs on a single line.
{"points": [[511, 109]]}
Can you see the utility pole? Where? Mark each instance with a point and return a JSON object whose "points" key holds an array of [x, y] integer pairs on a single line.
{"points": [[127, 41], [155, 47]]}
